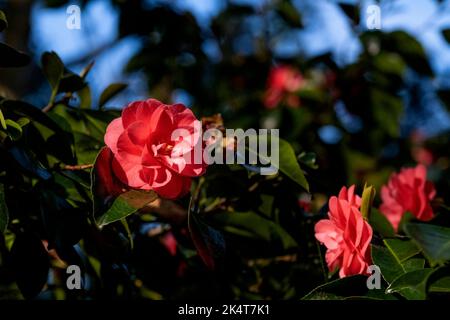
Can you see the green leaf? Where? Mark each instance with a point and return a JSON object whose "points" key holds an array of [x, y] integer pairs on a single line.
{"points": [[71, 82], [2, 120], [4, 215], [381, 224], [85, 97], [412, 285], [390, 264], [287, 163], [441, 285], [367, 199], [402, 249], [125, 204], [14, 129], [34, 114], [308, 159], [251, 225], [53, 69], [111, 91], [3, 21], [339, 289], [433, 240], [11, 58]]}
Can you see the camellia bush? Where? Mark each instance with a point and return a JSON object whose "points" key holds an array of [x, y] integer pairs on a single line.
{"points": [[120, 196]]}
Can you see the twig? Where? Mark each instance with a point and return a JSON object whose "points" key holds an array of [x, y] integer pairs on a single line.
{"points": [[77, 167]]}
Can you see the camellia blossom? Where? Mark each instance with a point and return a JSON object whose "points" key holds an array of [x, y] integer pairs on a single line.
{"points": [[282, 83], [152, 147], [408, 191], [346, 235]]}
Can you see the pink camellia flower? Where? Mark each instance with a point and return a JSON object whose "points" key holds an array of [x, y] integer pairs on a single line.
{"points": [[282, 83], [408, 191], [152, 146], [346, 235]]}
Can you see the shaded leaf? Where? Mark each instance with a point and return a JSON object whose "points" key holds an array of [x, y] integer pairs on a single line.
{"points": [[4, 215], [209, 242], [340, 288], [29, 163], [85, 97], [14, 129], [11, 58], [412, 285], [254, 226], [380, 223], [391, 265], [27, 110], [433, 240], [70, 83], [53, 69], [110, 92], [441, 285], [30, 264]]}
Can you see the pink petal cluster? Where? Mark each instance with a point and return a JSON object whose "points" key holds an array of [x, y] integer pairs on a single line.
{"points": [[282, 83], [346, 235], [146, 155], [408, 191]]}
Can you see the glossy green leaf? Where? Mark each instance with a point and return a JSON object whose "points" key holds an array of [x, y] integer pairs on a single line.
{"points": [[401, 249], [412, 285], [433, 240], [111, 91], [125, 204], [391, 265], [4, 215], [287, 163]]}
